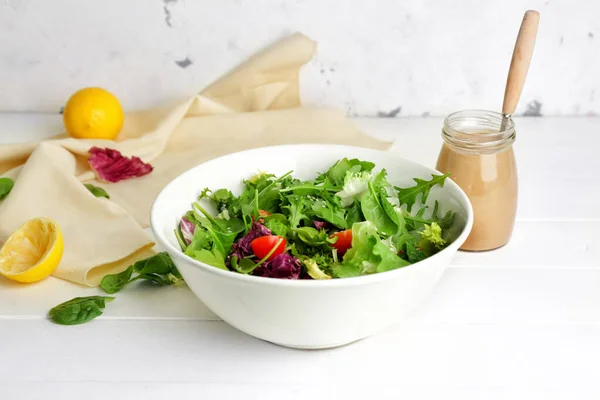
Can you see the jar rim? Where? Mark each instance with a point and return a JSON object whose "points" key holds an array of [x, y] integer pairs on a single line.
{"points": [[478, 130]]}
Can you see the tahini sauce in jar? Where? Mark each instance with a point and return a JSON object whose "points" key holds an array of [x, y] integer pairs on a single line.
{"points": [[481, 161]]}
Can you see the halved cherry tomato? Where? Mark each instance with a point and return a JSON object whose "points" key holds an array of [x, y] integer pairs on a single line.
{"points": [[263, 245], [262, 213], [344, 241]]}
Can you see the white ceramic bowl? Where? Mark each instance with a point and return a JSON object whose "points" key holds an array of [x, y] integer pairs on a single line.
{"points": [[304, 313]]}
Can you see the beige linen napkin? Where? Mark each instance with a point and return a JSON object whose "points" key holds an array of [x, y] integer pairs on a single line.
{"points": [[255, 105]]}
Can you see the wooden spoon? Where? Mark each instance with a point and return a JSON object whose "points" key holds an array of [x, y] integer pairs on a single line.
{"points": [[519, 64]]}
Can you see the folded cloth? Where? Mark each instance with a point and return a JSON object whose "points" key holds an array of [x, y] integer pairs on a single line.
{"points": [[255, 105]]}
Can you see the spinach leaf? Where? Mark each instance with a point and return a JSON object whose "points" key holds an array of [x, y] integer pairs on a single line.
{"points": [[115, 282], [96, 191], [372, 209], [158, 268], [79, 310], [377, 208], [213, 258], [409, 195], [160, 263], [6, 185], [354, 214], [329, 212]]}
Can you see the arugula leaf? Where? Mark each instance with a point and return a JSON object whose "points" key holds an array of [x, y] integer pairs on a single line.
{"points": [[222, 232], [96, 191], [115, 282], [444, 222], [268, 193], [6, 185], [79, 310], [296, 210], [409, 195]]}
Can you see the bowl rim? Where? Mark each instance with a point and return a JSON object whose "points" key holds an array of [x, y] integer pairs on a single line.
{"points": [[306, 283]]}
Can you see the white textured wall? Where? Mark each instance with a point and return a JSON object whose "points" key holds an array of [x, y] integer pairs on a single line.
{"points": [[411, 57]]}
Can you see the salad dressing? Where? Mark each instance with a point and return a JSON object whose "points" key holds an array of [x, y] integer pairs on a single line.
{"points": [[481, 161]]}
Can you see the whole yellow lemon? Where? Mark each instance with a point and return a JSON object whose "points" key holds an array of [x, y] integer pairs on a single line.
{"points": [[93, 113]]}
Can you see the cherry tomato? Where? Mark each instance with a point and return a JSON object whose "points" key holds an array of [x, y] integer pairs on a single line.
{"points": [[262, 213], [263, 245], [344, 241]]}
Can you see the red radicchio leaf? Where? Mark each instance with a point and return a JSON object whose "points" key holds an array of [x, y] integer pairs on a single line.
{"points": [[187, 229], [283, 266], [242, 248], [111, 166]]}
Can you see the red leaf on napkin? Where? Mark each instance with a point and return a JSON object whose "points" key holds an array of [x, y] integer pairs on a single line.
{"points": [[111, 166]]}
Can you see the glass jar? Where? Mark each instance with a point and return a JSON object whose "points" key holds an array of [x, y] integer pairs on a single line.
{"points": [[481, 161]]}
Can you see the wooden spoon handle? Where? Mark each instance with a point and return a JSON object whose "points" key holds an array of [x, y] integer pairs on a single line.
{"points": [[520, 61]]}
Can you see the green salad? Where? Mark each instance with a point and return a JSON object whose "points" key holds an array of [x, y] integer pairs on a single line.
{"points": [[348, 221]]}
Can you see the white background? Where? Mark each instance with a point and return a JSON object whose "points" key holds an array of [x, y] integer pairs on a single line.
{"points": [[420, 57]]}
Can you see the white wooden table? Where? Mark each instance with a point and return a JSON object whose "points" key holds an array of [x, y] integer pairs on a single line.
{"points": [[522, 322]]}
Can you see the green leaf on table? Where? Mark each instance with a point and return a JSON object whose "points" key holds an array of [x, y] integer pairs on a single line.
{"points": [[159, 263], [158, 268], [6, 185], [409, 195], [113, 283], [96, 191], [79, 310]]}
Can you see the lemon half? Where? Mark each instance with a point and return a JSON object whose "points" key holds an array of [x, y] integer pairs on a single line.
{"points": [[32, 252]]}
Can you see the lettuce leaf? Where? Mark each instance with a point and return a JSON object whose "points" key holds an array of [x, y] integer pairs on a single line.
{"points": [[409, 195]]}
